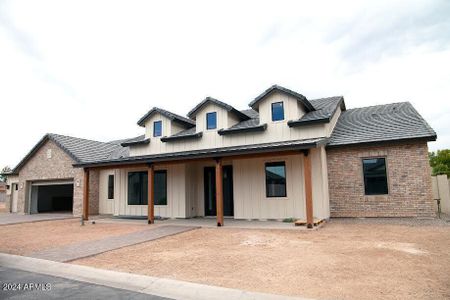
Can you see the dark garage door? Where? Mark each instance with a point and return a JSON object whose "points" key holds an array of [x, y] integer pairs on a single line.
{"points": [[54, 198]]}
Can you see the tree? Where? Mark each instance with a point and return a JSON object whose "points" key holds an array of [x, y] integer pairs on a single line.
{"points": [[440, 162], [4, 170]]}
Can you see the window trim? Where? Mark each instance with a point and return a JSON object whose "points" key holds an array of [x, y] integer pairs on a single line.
{"points": [[154, 128], [154, 190], [269, 163], [111, 194], [271, 107], [364, 178], [215, 125]]}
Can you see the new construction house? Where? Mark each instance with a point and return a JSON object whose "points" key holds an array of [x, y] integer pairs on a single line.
{"points": [[285, 157]]}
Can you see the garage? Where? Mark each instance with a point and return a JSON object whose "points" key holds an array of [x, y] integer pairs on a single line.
{"points": [[51, 197]]}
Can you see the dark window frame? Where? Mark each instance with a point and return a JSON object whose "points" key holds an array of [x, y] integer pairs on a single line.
{"points": [[282, 106], [165, 191], [273, 164], [110, 186], [365, 181], [214, 113], [160, 128], [143, 199]]}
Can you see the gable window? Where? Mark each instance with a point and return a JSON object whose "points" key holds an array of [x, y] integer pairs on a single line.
{"points": [[277, 111], [375, 178], [160, 187], [211, 120], [110, 186], [157, 128], [276, 179], [137, 188]]}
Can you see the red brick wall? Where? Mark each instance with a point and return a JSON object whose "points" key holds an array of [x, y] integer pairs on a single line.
{"points": [[409, 181]]}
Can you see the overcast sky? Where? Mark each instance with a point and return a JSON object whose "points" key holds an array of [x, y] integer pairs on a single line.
{"points": [[91, 69]]}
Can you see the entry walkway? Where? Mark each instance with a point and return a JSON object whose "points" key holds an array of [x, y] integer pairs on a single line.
{"points": [[89, 248], [15, 218]]}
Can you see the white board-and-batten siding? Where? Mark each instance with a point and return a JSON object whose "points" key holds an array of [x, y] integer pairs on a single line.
{"points": [[185, 189]]}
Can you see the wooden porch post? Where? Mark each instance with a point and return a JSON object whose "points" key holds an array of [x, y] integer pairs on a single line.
{"points": [[219, 192], [308, 188], [86, 194], [151, 194]]}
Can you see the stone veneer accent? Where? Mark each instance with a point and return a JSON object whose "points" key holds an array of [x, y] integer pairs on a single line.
{"points": [[409, 181], [58, 167]]}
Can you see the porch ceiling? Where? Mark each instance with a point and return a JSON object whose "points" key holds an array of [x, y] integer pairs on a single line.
{"points": [[242, 150]]}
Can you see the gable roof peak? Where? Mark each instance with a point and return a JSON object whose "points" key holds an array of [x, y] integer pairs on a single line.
{"points": [[254, 104], [219, 103], [170, 115]]}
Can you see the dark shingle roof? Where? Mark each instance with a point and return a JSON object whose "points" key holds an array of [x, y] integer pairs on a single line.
{"points": [[174, 117], [80, 150], [139, 140], [219, 103], [244, 126], [324, 111], [213, 152], [184, 134], [390, 122], [284, 90]]}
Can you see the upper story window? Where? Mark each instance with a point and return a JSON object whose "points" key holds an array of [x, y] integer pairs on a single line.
{"points": [[277, 111], [157, 128], [211, 120], [375, 178], [276, 179]]}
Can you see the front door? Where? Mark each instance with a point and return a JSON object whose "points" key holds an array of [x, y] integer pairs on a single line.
{"points": [[210, 191]]}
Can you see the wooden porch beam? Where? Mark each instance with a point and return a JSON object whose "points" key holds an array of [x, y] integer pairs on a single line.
{"points": [[151, 194], [219, 192], [86, 194], [308, 189]]}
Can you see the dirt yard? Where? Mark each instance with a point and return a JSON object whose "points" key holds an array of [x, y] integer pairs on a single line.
{"points": [[342, 260], [29, 237]]}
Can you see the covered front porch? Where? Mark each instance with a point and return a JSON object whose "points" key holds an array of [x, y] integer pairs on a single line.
{"points": [[221, 189]]}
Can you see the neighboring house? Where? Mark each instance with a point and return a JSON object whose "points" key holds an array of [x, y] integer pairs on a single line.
{"points": [[285, 157], [2, 191]]}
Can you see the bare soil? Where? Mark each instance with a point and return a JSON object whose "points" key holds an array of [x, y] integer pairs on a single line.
{"points": [[342, 260], [30, 237]]}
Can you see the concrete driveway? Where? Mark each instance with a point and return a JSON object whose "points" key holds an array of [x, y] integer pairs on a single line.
{"points": [[14, 218]]}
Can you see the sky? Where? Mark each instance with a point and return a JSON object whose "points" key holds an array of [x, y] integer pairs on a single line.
{"points": [[91, 69]]}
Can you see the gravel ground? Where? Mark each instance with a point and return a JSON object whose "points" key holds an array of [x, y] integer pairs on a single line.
{"points": [[2, 207], [345, 259], [30, 237]]}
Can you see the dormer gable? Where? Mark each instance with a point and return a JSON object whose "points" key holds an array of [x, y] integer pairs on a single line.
{"points": [[276, 88], [159, 123], [212, 115]]}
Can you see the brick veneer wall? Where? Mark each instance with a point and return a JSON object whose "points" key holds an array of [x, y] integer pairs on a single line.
{"points": [[409, 181], [58, 167]]}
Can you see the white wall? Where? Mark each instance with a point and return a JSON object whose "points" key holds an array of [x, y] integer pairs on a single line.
{"points": [[276, 131]]}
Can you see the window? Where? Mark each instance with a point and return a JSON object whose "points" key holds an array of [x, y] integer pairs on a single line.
{"points": [[375, 179], [276, 179], [277, 111], [211, 120], [110, 186], [137, 188], [161, 187], [157, 128], [16, 187]]}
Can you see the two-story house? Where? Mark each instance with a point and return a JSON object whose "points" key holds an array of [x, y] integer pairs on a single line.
{"points": [[285, 157]]}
